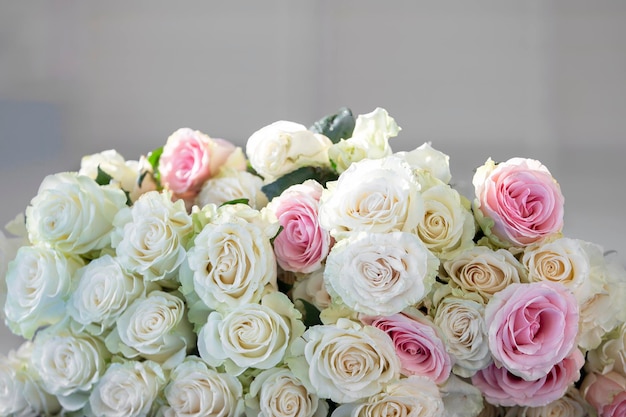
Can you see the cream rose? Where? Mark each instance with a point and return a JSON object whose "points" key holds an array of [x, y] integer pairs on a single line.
{"points": [[462, 322], [252, 335], [124, 173], [73, 214], [69, 365], [278, 392], [611, 354], [370, 139], [379, 195], [563, 407], [344, 362], [428, 159], [40, 283], [232, 184], [8, 250], [103, 292], [283, 147], [447, 226], [380, 273], [154, 327], [127, 389], [149, 237], [311, 288], [197, 390], [484, 271], [231, 261], [562, 260], [413, 396]]}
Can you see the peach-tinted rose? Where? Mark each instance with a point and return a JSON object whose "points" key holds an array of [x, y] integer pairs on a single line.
{"points": [[606, 393], [522, 199]]}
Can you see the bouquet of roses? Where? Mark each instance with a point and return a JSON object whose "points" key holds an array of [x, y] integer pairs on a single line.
{"points": [[317, 274]]}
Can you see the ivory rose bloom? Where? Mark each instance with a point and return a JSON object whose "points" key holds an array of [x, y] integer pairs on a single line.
{"points": [[531, 327], [252, 335], [154, 327], [312, 289], [414, 396], [277, 392], [565, 406], [518, 201], [484, 271], [73, 214], [69, 364], [447, 226], [606, 393], [232, 184], [196, 390], [150, 237], [611, 354], [377, 195], [418, 344], [380, 273], [124, 173], [462, 322], [102, 293], [191, 157], [127, 389], [370, 139], [500, 387], [428, 159], [39, 281], [302, 244], [344, 362], [283, 147]]}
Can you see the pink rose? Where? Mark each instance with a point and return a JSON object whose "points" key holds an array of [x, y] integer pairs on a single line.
{"points": [[420, 349], [189, 158], [302, 245], [500, 387], [606, 393], [532, 327], [521, 197]]}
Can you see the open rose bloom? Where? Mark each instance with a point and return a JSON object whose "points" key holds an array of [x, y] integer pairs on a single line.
{"points": [[319, 274]]}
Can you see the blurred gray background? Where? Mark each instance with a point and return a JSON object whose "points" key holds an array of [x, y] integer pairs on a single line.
{"points": [[496, 78]]}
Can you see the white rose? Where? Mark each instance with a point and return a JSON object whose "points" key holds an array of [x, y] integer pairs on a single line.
{"points": [[283, 147], [149, 237], [103, 292], [232, 184], [231, 262], [126, 389], [370, 139], [344, 362], [154, 327], [460, 398], [196, 390], [413, 396], [373, 195], [73, 214], [563, 407], [610, 355], [311, 288], [124, 173], [562, 260], [484, 271], [39, 282], [428, 159], [603, 308], [22, 394], [8, 251], [252, 335], [447, 226], [462, 321], [380, 273], [277, 392], [69, 365]]}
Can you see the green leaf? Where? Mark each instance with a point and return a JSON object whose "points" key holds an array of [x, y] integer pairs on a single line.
{"points": [[336, 126], [321, 175], [237, 201], [154, 158], [103, 178], [311, 315]]}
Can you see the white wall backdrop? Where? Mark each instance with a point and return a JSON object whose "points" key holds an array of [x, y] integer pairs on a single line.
{"points": [[499, 78]]}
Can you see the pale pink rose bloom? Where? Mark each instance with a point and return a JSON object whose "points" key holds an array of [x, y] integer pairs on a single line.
{"points": [[189, 158], [522, 198], [302, 245], [531, 327], [606, 393], [418, 345], [500, 387]]}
